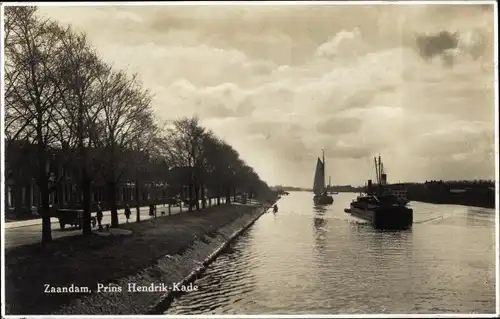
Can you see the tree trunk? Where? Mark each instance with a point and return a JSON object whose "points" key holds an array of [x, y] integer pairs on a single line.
{"points": [[190, 196], [45, 210], [86, 227], [218, 194], [112, 204], [137, 202], [203, 199], [197, 195], [43, 184], [228, 195]]}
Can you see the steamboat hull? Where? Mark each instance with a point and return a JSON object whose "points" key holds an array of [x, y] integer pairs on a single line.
{"points": [[390, 218]]}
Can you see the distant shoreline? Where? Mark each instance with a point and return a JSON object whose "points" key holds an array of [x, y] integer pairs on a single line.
{"points": [[475, 198]]}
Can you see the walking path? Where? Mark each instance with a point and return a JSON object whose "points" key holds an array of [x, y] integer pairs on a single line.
{"points": [[54, 220], [27, 232]]}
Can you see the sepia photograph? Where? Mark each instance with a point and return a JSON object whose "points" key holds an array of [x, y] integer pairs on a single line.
{"points": [[249, 158]]}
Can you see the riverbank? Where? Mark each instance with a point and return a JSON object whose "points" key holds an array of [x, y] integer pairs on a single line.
{"points": [[454, 193], [164, 250], [483, 199]]}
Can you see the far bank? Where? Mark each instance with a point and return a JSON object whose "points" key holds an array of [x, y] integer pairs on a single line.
{"points": [[477, 198]]}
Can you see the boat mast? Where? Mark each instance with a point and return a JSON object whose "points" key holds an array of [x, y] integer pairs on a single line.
{"points": [[380, 169], [324, 169]]}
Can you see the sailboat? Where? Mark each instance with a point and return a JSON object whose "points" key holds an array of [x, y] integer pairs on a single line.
{"points": [[321, 196]]}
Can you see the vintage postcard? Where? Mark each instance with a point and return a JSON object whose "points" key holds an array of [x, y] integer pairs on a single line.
{"points": [[249, 158]]}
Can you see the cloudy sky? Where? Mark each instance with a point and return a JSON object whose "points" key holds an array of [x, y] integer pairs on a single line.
{"points": [[280, 83]]}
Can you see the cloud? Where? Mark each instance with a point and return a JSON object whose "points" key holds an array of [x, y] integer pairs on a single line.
{"points": [[456, 138], [335, 125], [431, 45], [280, 83], [349, 151], [343, 44]]}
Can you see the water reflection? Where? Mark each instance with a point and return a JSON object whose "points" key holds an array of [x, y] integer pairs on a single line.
{"points": [[320, 209], [320, 229], [231, 278], [320, 260]]}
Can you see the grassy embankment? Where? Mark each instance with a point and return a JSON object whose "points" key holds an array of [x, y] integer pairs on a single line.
{"points": [[83, 261]]}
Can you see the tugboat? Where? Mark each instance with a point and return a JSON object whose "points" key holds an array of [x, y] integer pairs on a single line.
{"points": [[321, 196], [384, 207]]}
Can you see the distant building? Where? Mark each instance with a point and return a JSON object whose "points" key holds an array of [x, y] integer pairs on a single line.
{"points": [[22, 195]]}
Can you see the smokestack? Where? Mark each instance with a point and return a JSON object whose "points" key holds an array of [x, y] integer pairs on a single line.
{"points": [[369, 184], [329, 181], [383, 179]]}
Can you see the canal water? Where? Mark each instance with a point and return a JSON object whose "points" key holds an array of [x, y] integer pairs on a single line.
{"points": [[307, 260]]}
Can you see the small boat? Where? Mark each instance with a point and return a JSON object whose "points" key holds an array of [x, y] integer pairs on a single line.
{"points": [[321, 196], [384, 208]]}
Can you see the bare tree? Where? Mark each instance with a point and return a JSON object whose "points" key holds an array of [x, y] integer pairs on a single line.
{"points": [[212, 152], [126, 112], [13, 22], [32, 54], [80, 71], [230, 162], [184, 149], [144, 146], [228, 172], [206, 166]]}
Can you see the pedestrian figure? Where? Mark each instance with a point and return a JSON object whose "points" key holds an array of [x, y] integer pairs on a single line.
{"points": [[99, 215], [127, 212], [151, 210], [163, 213], [275, 208]]}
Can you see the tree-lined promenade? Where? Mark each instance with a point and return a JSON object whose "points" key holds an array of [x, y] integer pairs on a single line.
{"points": [[64, 104]]}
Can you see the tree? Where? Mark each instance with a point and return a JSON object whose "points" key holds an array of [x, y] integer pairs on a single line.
{"points": [[184, 149], [32, 52], [211, 151], [143, 147], [80, 71], [126, 112], [225, 172], [229, 163]]}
